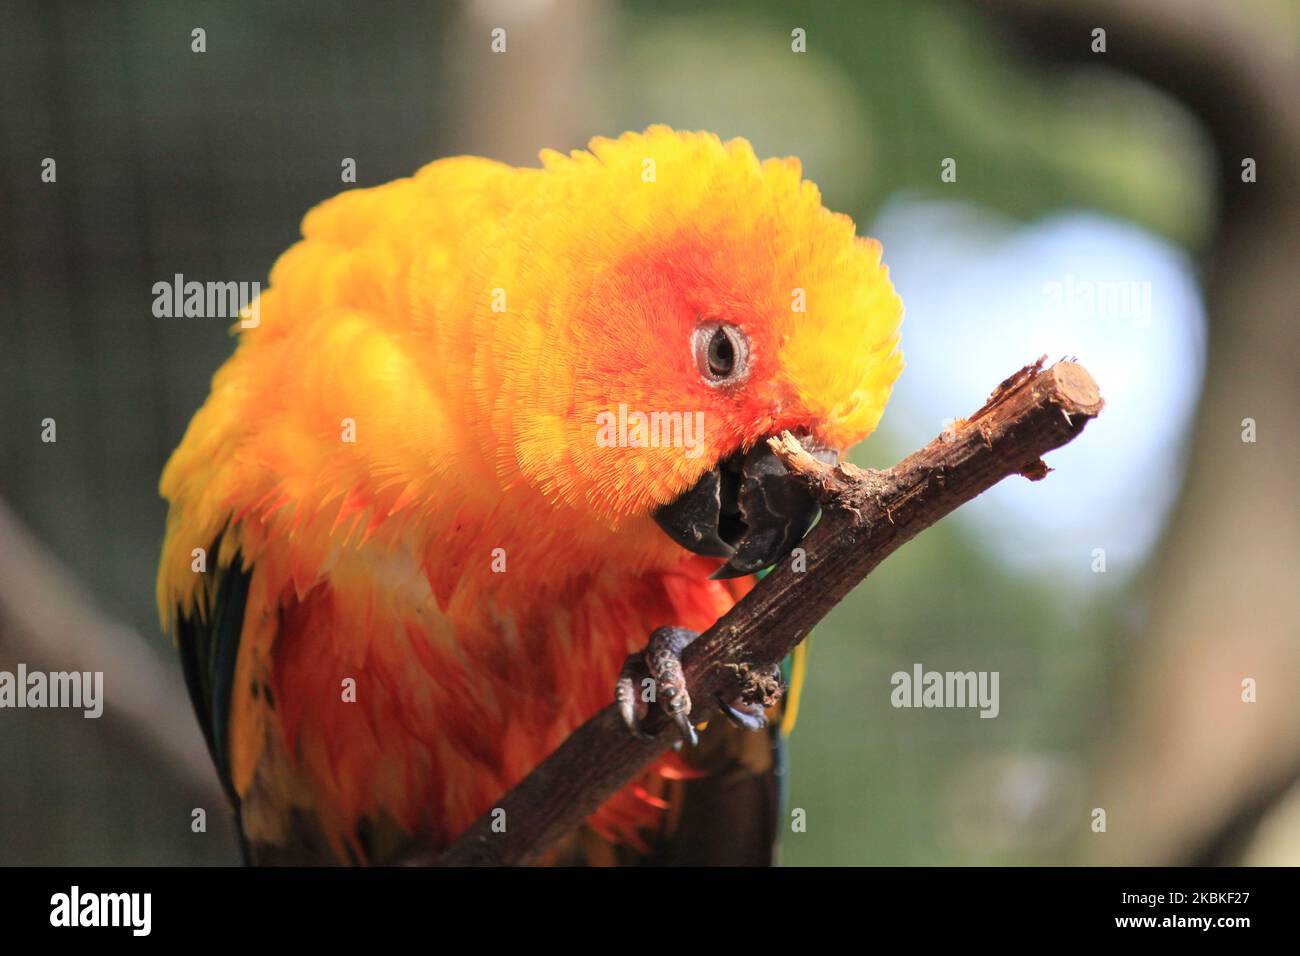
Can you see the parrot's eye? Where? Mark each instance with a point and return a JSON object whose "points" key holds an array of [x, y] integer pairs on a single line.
{"points": [[721, 353]]}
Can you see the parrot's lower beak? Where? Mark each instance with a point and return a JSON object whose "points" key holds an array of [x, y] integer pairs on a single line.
{"points": [[749, 509]]}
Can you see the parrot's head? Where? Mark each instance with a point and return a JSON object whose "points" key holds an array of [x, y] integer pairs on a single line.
{"points": [[711, 301]]}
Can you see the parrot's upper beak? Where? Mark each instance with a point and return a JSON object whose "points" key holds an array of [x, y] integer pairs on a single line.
{"points": [[749, 509]]}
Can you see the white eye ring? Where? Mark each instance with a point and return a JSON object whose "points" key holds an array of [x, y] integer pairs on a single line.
{"points": [[721, 353]]}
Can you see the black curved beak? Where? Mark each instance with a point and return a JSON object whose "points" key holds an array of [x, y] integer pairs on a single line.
{"points": [[749, 509]]}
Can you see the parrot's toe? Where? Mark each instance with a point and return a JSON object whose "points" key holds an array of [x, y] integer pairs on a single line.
{"points": [[659, 671], [632, 706], [656, 675], [762, 688]]}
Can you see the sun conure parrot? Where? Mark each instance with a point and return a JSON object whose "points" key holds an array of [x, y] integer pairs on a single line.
{"points": [[435, 514]]}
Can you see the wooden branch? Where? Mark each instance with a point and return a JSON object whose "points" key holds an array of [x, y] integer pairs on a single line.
{"points": [[49, 619], [866, 516]]}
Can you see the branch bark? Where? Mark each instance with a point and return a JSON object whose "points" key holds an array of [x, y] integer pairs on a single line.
{"points": [[866, 516]]}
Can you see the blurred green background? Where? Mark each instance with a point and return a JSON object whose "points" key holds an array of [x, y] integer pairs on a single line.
{"points": [[1120, 690]]}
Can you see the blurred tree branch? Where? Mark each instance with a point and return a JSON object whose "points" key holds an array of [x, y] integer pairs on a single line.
{"points": [[1224, 602], [46, 617], [867, 515]]}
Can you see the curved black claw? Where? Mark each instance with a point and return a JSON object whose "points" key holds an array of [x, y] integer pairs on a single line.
{"points": [[744, 716], [658, 672], [633, 705]]}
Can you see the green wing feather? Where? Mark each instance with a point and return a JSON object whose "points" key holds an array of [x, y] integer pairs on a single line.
{"points": [[209, 648]]}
